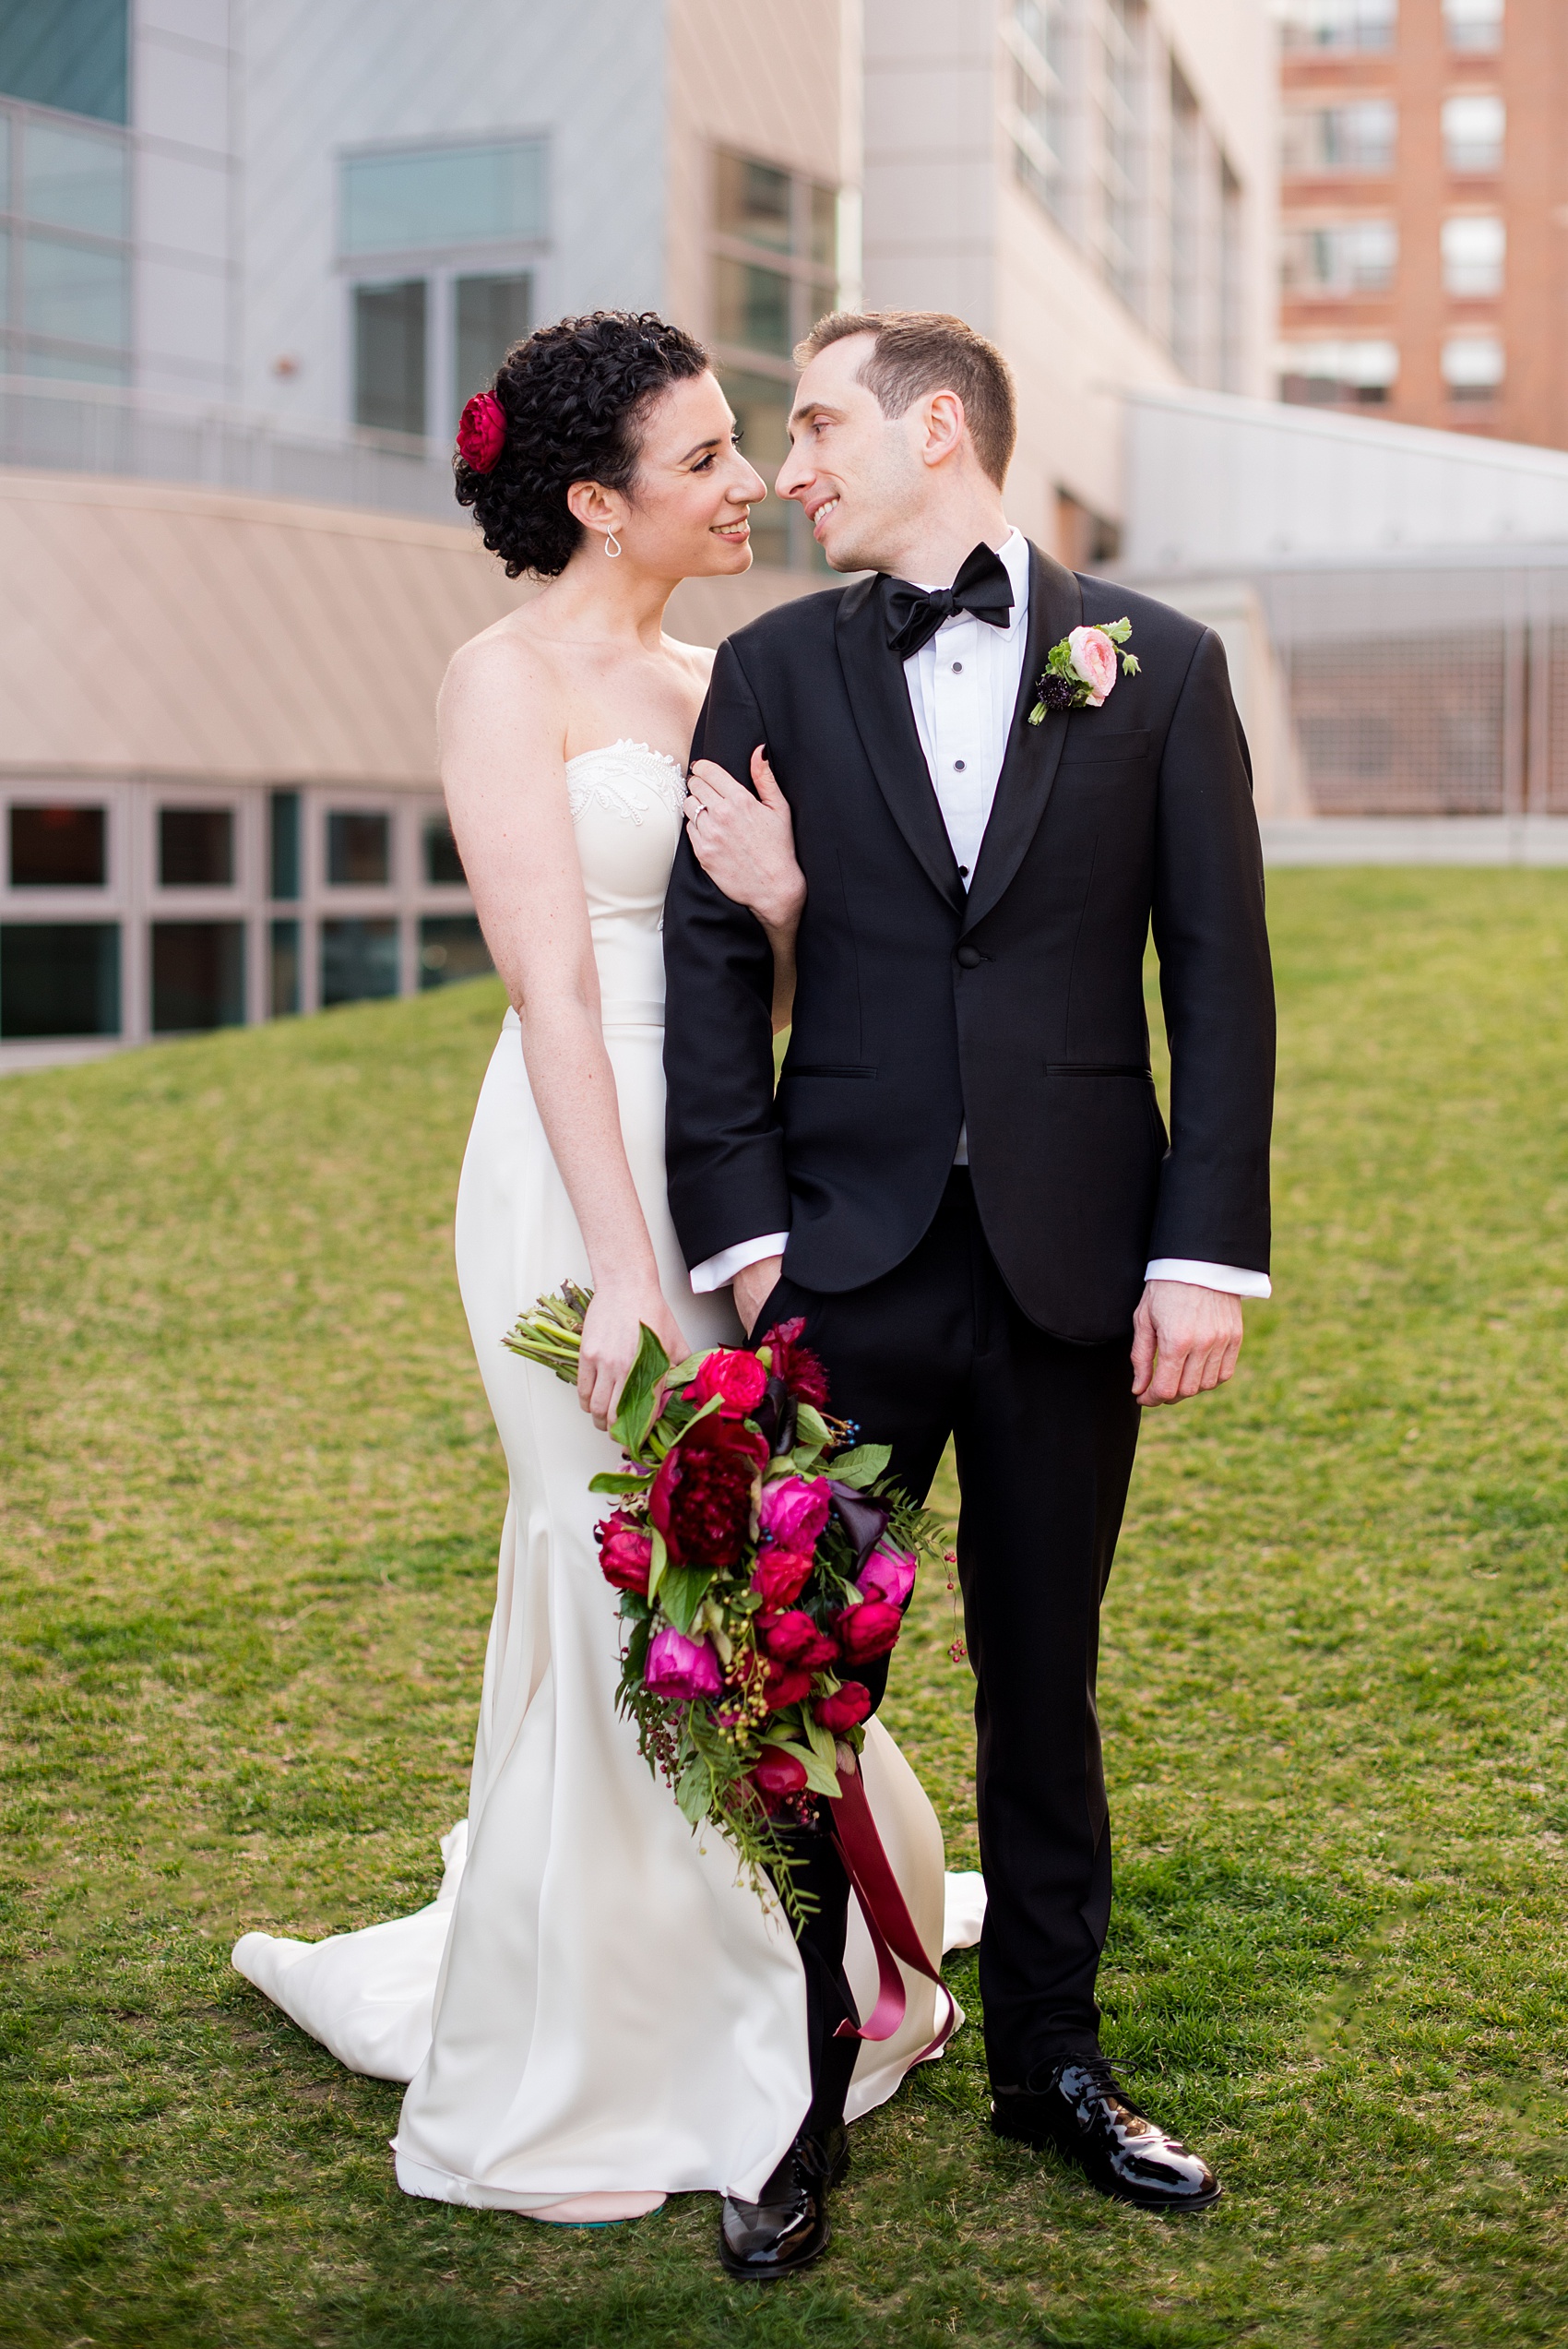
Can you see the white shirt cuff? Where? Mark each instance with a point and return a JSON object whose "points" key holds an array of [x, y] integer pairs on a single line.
{"points": [[1229, 1277], [717, 1271]]}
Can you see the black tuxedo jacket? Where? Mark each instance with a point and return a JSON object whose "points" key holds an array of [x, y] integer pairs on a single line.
{"points": [[1016, 1006]]}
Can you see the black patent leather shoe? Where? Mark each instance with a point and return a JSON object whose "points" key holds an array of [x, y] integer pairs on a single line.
{"points": [[1082, 2113], [787, 2229]]}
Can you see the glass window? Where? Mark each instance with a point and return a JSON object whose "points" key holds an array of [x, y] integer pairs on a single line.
{"points": [[196, 848], [824, 226], [491, 315], [755, 202], [71, 366], [73, 180], [1329, 374], [359, 961], [1473, 127], [75, 292], [451, 947], [752, 307], [69, 53], [283, 969], [1473, 250], [1346, 256], [198, 976], [1472, 365], [59, 847], [1473, 25], [441, 861], [1340, 24], [283, 844], [389, 356], [470, 194], [1357, 137], [359, 849], [762, 410], [59, 979]]}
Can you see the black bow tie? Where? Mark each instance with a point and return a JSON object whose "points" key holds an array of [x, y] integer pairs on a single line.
{"points": [[914, 615]]}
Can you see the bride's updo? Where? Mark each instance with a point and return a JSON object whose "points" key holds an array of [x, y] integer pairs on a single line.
{"points": [[571, 397]]}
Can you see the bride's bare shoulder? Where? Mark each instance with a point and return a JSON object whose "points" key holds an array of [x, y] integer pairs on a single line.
{"points": [[696, 659], [506, 672]]}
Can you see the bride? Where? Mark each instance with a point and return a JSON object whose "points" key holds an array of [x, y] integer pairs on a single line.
{"points": [[595, 2013]]}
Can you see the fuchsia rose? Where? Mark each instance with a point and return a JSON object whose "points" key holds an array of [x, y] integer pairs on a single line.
{"points": [[701, 1498], [794, 1639], [801, 1370], [786, 1685], [1094, 658], [681, 1669], [794, 1510], [868, 1630], [481, 433], [781, 1576], [890, 1575], [737, 1378], [626, 1552], [845, 1709]]}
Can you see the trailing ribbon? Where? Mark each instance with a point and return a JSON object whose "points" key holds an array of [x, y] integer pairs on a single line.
{"points": [[888, 1921]]}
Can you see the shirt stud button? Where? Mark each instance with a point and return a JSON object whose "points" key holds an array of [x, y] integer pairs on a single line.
{"points": [[957, 668], [958, 766]]}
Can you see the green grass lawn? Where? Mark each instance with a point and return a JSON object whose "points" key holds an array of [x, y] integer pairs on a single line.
{"points": [[251, 1501]]}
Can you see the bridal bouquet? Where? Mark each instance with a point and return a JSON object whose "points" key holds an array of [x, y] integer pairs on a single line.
{"points": [[762, 1560]]}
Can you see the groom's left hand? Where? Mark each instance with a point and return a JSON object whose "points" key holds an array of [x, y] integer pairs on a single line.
{"points": [[1185, 1341]]}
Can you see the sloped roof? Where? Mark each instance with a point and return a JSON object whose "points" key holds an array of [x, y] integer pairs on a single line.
{"points": [[155, 629]]}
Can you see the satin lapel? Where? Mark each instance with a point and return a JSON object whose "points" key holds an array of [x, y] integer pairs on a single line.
{"points": [[880, 699], [1029, 769]]}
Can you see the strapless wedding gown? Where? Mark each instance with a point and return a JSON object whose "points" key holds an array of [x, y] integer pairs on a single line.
{"points": [[595, 2012]]}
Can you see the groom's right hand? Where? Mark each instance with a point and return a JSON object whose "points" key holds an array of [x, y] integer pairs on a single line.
{"points": [[755, 1283]]}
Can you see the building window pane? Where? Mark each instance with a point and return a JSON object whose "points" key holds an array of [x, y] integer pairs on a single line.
{"points": [[59, 847], [762, 410], [1358, 137], [1340, 24], [1473, 25], [198, 976], [359, 850], [359, 961], [1473, 251], [283, 969], [441, 861], [754, 202], [1472, 366], [69, 53], [70, 367], [59, 979], [390, 360], [283, 844], [1336, 373], [825, 226], [1473, 128], [492, 314], [470, 194], [196, 848], [452, 948], [1348, 256], [753, 307], [73, 180], [76, 291]]}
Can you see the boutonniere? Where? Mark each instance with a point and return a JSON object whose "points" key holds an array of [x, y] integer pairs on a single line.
{"points": [[1081, 670]]}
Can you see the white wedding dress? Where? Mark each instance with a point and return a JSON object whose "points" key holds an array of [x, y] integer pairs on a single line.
{"points": [[595, 2012]]}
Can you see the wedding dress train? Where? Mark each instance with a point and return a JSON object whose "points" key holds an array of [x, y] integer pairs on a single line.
{"points": [[594, 2012]]}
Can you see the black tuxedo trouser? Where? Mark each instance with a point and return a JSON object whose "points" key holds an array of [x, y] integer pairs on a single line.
{"points": [[1045, 1434]]}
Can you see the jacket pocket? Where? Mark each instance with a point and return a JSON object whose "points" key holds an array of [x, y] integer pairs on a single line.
{"points": [[827, 1069], [1098, 1069]]}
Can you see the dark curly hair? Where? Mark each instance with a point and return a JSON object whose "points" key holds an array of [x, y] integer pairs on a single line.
{"points": [[574, 396]]}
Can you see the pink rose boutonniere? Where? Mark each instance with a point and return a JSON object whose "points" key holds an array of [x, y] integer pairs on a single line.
{"points": [[1081, 670]]}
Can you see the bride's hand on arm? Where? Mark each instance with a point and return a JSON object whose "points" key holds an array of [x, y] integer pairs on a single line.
{"points": [[503, 768], [745, 843]]}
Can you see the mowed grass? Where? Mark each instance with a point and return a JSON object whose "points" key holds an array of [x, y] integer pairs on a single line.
{"points": [[252, 1499]]}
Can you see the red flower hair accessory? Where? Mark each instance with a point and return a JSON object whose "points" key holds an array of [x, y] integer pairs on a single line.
{"points": [[481, 433]]}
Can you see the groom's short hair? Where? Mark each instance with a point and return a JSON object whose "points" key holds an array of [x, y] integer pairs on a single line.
{"points": [[921, 351]]}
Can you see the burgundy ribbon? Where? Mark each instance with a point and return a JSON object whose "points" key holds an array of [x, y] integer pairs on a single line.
{"points": [[888, 1921]]}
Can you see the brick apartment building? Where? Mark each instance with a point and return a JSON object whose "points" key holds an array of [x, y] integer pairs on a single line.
{"points": [[1424, 212]]}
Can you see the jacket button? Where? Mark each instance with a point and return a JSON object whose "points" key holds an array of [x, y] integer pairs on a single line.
{"points": [[970, 958]]}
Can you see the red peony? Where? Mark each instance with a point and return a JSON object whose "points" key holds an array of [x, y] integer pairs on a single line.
{"points": [[868, 1630], [786, 1685], [800, 1368], [845, 1709], [794, 1639], [701, 1498], [737, 1378], [781, 1576], [626, 1552], [481, 433], [777, 1773]]}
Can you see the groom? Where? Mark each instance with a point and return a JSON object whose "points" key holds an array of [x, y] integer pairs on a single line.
{"points": [[963, 1181]]}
